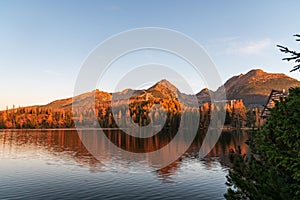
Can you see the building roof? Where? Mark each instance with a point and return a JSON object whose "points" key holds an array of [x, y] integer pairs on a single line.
{"points": [[275, 96]]}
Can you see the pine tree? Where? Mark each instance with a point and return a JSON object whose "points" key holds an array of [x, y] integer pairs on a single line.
{"points": [[271, 171]]}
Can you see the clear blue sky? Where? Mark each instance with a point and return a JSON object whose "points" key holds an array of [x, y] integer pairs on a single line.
{"points": [[43, 43]]}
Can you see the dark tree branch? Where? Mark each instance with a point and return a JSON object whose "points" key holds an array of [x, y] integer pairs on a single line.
{"points": [[297, 67], [293, 54]]}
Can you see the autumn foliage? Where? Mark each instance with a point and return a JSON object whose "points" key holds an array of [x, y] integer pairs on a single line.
{"points": [[139, 112]]}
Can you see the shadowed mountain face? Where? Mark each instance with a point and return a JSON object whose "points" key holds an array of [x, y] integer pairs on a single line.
{"points": [[204, 95], [253, 87]]}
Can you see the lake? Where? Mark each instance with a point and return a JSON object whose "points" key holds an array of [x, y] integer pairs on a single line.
{"points": [[55, 164]]}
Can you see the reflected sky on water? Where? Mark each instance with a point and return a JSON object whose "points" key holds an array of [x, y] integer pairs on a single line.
{"points": [[55, 164]]}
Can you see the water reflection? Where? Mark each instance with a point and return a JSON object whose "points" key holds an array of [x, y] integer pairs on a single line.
{"points": [[54, 164], [66, 145]]}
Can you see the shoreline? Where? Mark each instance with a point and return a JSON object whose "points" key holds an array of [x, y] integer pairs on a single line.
{"points": [[74, 129]]}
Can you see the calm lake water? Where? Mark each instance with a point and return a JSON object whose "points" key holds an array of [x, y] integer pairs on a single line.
{"points": [[54, 164]]}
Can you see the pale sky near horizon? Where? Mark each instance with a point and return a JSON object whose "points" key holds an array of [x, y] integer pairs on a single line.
{"points": [[44, 43]]}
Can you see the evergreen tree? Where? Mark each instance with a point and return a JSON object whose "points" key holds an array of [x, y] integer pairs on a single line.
{"points": [[272, 170]]}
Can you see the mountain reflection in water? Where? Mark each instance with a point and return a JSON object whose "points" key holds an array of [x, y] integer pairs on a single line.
{"points": [[55, 164], [66, 144]]}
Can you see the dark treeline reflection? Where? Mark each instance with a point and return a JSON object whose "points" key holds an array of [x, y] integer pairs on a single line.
{"points": [[62, 143]]}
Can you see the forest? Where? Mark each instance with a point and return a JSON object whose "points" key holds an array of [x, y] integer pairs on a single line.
{"points": [[43, 117]]}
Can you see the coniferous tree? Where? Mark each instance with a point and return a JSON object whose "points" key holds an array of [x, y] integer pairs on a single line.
{"points": [[271, 171]]}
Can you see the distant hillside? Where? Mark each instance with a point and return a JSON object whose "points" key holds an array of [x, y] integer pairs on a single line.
{"points": [[255, 86], [204, 95], [80, 100], [162, 89]]}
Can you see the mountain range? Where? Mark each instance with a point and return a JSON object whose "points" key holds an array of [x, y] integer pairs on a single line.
{"points": [[253, 88]]}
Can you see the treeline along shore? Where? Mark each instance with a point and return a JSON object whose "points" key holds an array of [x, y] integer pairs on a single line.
{"points": [[43, 117]]}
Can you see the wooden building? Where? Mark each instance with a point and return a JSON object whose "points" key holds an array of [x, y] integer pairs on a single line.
{"points": [[275, 96]]}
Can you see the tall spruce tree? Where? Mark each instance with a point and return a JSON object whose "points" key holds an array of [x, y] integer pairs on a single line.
{"points": [[272, 170]]}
